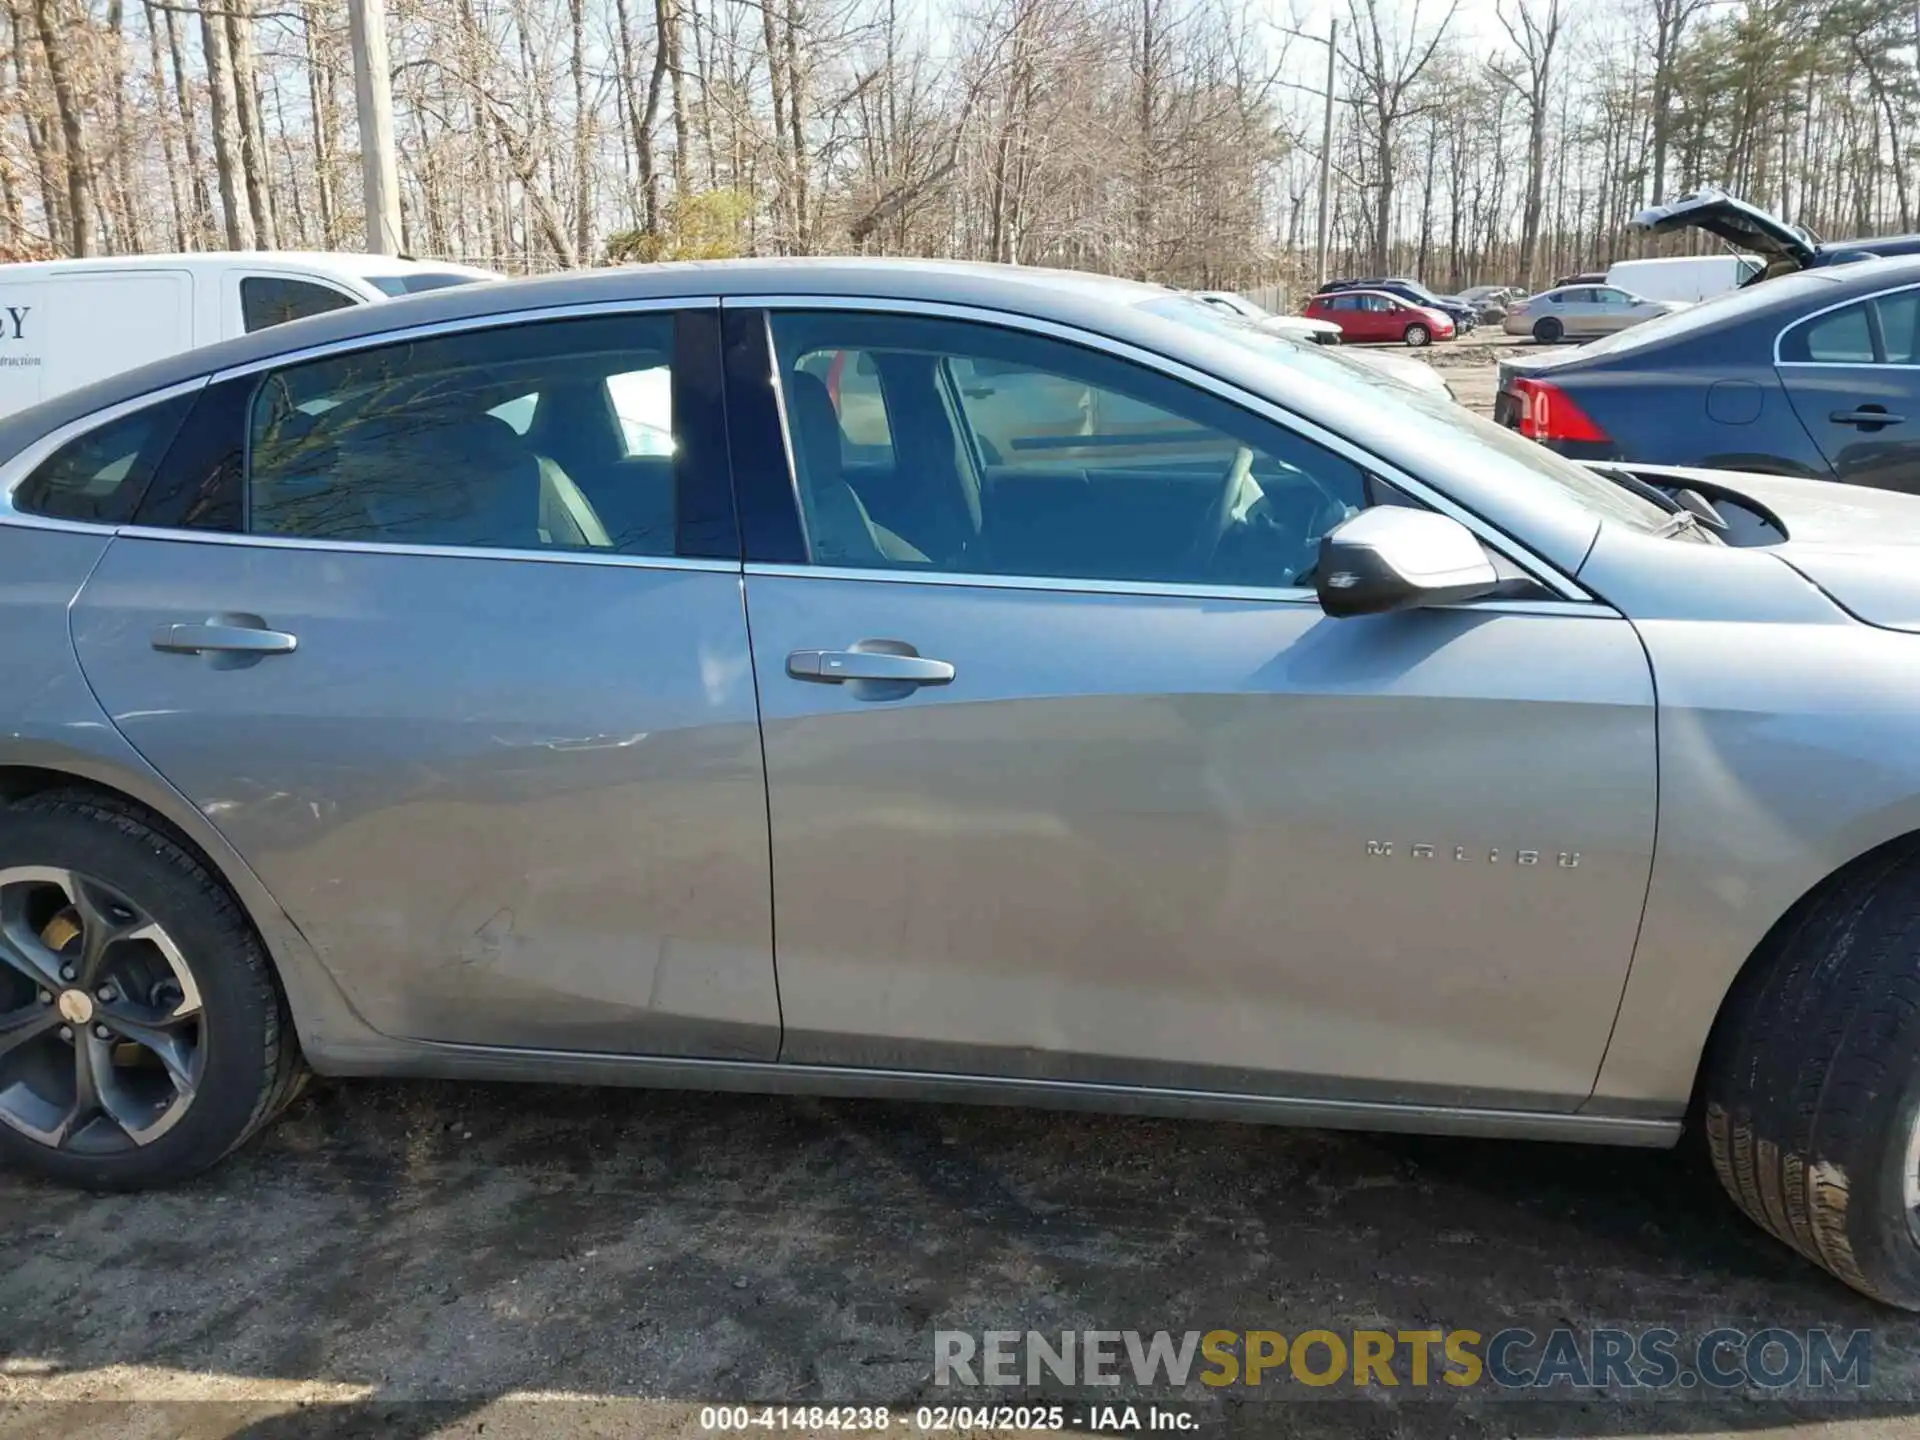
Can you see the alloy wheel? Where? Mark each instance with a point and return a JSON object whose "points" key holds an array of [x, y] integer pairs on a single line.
{"points": [[100, 1018]]}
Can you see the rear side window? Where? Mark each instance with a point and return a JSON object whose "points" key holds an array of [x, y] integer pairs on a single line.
{"points": [[1900, 326], [559, 436], [1840, 337], [101, 475], [274, 299]]}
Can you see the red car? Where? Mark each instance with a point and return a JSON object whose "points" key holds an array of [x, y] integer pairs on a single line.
{"points": [[1376, 315]]}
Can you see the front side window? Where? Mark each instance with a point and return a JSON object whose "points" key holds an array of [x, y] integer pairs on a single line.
{"points": [[101, 475], [1015, 454], [274, 299], [555, 436]]}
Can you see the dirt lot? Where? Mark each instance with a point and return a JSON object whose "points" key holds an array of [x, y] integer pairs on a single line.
{"points": [[419, 1260], [1469, 364]]}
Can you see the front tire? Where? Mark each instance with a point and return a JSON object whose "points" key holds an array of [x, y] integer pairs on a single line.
{"points": [[1417, 335], [1811, 1087], [1548, 331], [142, 1033]]}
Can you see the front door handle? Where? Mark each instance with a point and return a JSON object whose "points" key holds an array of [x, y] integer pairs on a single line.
{"points": [[223, 638], [834, 667], [1867, 417]]}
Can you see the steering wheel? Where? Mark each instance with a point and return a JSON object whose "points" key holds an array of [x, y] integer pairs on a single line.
{"points": [[1219, 517]]}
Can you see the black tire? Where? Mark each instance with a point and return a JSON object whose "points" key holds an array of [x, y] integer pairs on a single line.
{"points": [[252, 1068], [1417, 335], [1548, 331], [1811, 1088]]}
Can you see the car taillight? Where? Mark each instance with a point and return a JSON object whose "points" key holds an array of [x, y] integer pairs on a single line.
{"points": [[1548, 413], [1518, 307]]}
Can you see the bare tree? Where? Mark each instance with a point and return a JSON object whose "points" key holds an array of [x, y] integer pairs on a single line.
{"points": [[1385, 72], [1534, 35]]}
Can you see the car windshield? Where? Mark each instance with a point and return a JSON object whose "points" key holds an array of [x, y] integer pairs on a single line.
{"points": [[418, 282], [1526, 462]]}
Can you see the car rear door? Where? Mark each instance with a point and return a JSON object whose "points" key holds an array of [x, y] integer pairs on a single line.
{"points": [[1096, 792], [1852, 373], [500, 765]]}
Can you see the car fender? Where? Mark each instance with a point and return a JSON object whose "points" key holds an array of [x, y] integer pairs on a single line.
{"points": [[60, 730], [1773, 777]]}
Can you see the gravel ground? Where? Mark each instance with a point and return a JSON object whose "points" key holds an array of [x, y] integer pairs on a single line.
{"points": [[460, 1260]]}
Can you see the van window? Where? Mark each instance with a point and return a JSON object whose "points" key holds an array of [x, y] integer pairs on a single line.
{"points": [[274, 299], [101, 475]]}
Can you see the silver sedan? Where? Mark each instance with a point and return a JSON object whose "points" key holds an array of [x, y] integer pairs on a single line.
{"points": [[954, 682], [1580, 312]]}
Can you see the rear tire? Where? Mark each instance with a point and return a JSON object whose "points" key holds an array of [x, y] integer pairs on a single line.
{"points": [[1548, 331], [245, 1063], [1811, 1087], [1417, 335]]}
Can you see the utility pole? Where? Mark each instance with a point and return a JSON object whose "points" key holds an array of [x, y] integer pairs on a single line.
{"points": [[1326, 158], [373, 93]]}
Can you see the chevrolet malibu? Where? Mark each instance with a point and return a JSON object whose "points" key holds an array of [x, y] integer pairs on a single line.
{"points": [[951, 682]]}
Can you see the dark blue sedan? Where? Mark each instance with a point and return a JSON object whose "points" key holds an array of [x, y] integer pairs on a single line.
{"points": [[1814, 374]]}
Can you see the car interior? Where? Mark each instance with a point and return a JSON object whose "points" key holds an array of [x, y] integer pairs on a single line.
{"points": [[911, 459], [471, 457]]}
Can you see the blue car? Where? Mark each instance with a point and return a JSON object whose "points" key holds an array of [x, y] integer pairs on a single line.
{"points": [[1814, 374]]}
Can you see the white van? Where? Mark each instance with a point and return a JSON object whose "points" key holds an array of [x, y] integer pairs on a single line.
{"points": [[64, 323], [1683, 277]]}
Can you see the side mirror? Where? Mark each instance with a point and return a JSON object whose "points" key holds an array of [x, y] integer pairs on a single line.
{"points": [[1395, 558]]}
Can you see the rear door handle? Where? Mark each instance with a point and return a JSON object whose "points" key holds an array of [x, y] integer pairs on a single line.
{"points": [[1867, 417], [834, 667], [223, 638]]}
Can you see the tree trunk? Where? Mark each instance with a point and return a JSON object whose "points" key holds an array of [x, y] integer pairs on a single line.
{"points": [[168, 155], [226, 128], [73, 136], [796, 107], [253, 138], [202, 227]]}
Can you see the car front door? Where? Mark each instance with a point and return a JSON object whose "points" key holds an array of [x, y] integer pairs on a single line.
{"points": [[1090, 789], [496, 754], [1853, 376]]}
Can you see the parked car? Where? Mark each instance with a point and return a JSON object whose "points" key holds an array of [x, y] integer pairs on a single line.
{"points": [[1146, 767], [1784, 247], [1811, 375], [1582, 277], [1577, 312], [1490, 302], [1375, 315], [1463, 315], [1402, 369], [64, 323], [1299, 327], [1683, 278]]}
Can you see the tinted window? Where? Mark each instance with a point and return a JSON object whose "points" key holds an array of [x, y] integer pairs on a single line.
{"points": [[520, 438], [1900, 326], [1034, 457], [852, 378], [1840, 337], [273, 300], [101, 475]]}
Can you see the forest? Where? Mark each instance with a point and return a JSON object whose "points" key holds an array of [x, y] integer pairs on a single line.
{"points": [[1179, 141]]}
